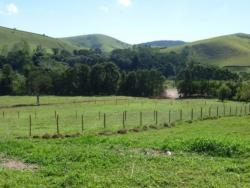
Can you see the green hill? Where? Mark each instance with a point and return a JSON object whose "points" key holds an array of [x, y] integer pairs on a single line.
{"points": [[102, 42], [226, 51], [9, 37]]}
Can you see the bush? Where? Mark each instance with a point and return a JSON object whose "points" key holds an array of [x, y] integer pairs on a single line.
{"points": [[122, 131], [46, 136], [224, 92], [214, 148]]}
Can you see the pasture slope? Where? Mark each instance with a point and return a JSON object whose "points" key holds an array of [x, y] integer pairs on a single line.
{"points": [[9, 37], [205, 153], [103, 42], [231, 51]]}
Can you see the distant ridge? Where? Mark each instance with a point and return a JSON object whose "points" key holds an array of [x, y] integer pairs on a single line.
{"points": [[163, 43]]}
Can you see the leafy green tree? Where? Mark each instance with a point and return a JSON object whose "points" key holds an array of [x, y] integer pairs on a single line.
{"points": [[224, 92], [6, 80], [19, 56], [243, 92], [112, 77], [39, 55], [39, 83], [97, 79]]}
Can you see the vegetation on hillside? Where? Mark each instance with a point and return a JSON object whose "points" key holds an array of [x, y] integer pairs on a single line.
{"points": [[163, 43], [102, 42], [9, 38], [227, 51]]}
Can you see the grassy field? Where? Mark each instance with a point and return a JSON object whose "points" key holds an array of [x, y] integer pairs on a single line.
{"points": [[205, 153]]}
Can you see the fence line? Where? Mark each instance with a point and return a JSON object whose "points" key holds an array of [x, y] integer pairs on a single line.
{"points": [[125, 119]]}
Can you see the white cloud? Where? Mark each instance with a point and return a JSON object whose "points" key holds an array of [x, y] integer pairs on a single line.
{"points": [[11, 9], [125, 3], [103, 8]]}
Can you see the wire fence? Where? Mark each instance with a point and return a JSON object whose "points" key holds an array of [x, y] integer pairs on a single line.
{"points": [[36, 123]]}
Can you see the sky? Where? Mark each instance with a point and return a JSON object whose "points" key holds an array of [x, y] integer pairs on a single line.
{"points": [[132, 21]]}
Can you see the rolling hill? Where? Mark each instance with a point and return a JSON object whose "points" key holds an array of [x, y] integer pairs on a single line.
{"points": [[102, 42], [9, 37], [231, 51], [163, 43]]}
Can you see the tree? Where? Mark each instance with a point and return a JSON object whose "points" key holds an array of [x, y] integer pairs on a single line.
{"points": [[6, 80], [243, 92], [19, 56], [97, 79], [39, 83], [224, 92], [111, 80]]}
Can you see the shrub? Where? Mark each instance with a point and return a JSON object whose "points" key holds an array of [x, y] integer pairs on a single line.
{"points": [[46, 136], [214, 148], [153, 127], [122, 131]]}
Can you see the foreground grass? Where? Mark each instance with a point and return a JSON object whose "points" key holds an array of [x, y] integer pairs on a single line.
{"points": [[214, 153]]}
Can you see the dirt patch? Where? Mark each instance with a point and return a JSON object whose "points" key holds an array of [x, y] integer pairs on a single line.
{"points": [[16, 165], [152, 152], [171, 94]]}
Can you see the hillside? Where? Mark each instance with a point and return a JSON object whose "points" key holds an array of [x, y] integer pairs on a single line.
{"points": [[163, 43], [225, 51], [9, 37], [102, 42]]}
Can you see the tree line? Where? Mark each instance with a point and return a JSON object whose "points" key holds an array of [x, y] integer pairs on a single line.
{"points": [[198, 80], [83, 72], [137, 71]]}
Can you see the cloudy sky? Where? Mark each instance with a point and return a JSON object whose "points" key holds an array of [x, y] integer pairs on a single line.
{"points": [[132, 21]]}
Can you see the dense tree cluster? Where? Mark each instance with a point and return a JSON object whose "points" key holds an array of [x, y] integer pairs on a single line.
{"points": [[83, 72]]}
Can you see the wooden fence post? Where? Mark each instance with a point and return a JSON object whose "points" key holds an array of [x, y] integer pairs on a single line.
{"points": [[123, 120], [141, 119], [217, 111], [3, 114], [30, 124], [169, 116], [156, 117], [55, 114], [192, 114], [180, 115], [201, 113], [82, 124], [104, 121], [209, 113], [230, 111], [57, 124], [125, 115], [236, 111]]}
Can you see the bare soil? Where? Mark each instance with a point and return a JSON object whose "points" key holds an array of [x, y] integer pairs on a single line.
{"points": [[16, 165], [171, 94]]}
